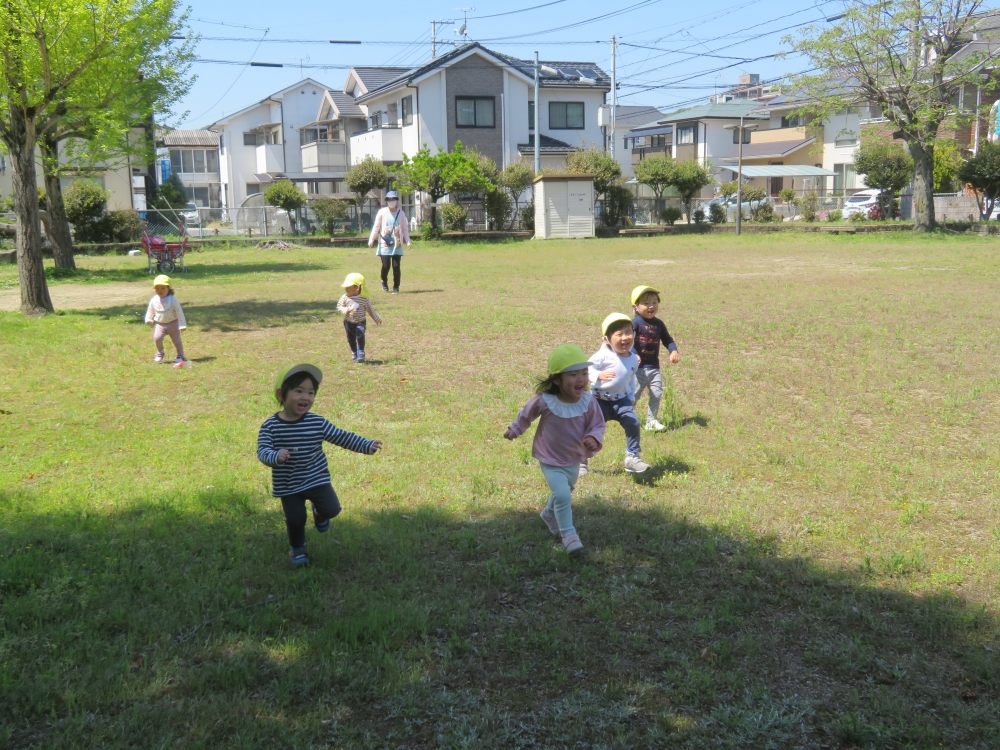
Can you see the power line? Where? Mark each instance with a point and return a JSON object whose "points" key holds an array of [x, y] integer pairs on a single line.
{"points": [[522, 10], [375, 42], [612, 14], [246, 65]]}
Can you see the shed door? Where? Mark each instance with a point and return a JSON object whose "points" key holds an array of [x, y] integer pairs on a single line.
{"points": [[581, 210], [555, 197]]}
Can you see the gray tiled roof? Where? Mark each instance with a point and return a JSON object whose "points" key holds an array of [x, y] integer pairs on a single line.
{"points": [[346, 104], [375, 77], [201, 138], [545, 146], [725, 111]]}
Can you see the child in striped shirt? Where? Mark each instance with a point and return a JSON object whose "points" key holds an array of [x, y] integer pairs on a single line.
{"points": [[291, 443], [355, 305]]}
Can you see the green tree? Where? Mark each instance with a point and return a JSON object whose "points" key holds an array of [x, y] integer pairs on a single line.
{"points": [[516, 177], [438, 175], [789, 198], [367, 175], [754, 195], [901, 58], [284, 194], [687, 179], [657, 172], [887, 167], [728, 189], [982, 172], [329, 211], [86, 209], [53, 58], [947, 162], [606, 169]]}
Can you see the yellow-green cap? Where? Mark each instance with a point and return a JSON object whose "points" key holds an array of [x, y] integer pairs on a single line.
{"points": [[161, 280], [356, 279], [566, 358], [286, 374], [641, 290], [612, 319]]}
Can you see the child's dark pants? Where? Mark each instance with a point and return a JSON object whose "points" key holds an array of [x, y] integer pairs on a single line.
{"points": [[355, 335], [393, 260], [324, 501], [622, 411]]}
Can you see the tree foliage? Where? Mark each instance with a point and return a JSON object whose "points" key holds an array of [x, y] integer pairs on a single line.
{"points": [[728, 189], [887, 167], [516, 177], [605, 168], [687, 178], [900, 57], [76, 61], [367, 175], [947, 162], [440, 174], [329, 211], [982, 173], [284, 194], [655, 171], [86, 206]]}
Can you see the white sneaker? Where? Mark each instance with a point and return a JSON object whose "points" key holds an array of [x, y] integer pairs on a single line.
{"points": [[653, 425], [634, 464], [572, 544], [583, 471], [550, 520]]}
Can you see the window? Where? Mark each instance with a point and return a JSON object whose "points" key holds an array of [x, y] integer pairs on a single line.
{"points": [[253, 188], [746, 135], [193, 161], [474, 112], [222, 145], [249, 139], [791, 121], [658, 140], [211, 161], [565, 115], [407, 105], [531, 115], [848, 111], [187, 162], [686, 135], [175, 162], [199, 161], [846, 139], [843, 178]]}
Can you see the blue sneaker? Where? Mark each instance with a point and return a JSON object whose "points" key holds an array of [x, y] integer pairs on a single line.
{"points": [[322, 524], [354, 357], [298, 556], [361, 356]]}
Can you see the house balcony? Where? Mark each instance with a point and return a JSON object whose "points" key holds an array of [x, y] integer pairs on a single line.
{"points": [[324, 156], [269, 158], [385, 143], [638, 154]]}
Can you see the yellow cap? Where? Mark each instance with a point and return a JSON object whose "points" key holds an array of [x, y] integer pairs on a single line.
{"points": [[565, 358], [641, 290], [614, 318], [161, 280], [356, 279]]}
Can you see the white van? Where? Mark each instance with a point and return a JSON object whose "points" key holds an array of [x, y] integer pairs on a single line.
{"points": [[861, 201]]}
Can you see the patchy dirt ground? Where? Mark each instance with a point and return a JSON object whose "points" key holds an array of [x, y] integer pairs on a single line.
{"points": [[82, 296]]}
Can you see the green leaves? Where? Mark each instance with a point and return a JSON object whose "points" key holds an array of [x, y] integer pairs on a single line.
{"points": [[606, 169], [367, 175], [655, 171], [982, 172]]}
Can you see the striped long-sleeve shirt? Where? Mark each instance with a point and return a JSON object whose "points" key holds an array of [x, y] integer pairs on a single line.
{"points": [[303, 439], [354, 309]]}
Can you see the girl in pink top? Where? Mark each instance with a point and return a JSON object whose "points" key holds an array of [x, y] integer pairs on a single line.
{"points": [[570, 430], [392, 232]]}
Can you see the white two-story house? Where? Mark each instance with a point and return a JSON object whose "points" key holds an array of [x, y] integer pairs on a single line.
{"points": [[483, 99]]}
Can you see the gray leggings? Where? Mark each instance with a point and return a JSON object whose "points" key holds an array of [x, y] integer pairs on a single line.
{"points": [[651, 378]]}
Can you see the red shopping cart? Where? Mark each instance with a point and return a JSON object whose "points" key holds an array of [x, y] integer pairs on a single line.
{"points": [[166, 256]]}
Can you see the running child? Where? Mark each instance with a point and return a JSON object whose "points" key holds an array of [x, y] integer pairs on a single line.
{"points": [[355, 305], [650, 333], [570, 430], [291, 443], [612, 381], [164, 313]]}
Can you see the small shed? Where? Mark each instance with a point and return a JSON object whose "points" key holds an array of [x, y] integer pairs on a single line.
{"points": [[564, 206]]}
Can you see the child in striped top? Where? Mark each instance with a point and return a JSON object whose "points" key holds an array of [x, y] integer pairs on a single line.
{"points": [[355, 305], [291, 443]]}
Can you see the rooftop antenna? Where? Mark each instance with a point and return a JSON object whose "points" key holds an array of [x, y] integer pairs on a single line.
{"points": [[463, 30], [301, 61], [434, 25]]}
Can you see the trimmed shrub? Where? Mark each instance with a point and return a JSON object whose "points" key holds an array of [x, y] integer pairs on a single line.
{"points": [[859, 216], [123, 226], [454, 216], [835, 215], [717, 213], [86, 207], [808, 204], [763, 213], [671, 214], [699, 216]]}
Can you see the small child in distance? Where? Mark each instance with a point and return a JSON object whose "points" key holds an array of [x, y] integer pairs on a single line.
{"points": [[650, 334], [355, 306]]}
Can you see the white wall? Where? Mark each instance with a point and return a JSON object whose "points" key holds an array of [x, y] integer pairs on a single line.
{"points": [[592, 99], [432, 115], [516, 97]]}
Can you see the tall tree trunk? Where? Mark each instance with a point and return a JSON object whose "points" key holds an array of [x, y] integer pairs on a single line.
{"points": [[57, 226], [923, 187], [35, 298]]}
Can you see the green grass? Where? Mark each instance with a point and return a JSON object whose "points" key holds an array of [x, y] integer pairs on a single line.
{"points": [[812, 563]]}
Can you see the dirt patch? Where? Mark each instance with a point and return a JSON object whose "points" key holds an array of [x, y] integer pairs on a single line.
{"points": [[82, 296]]}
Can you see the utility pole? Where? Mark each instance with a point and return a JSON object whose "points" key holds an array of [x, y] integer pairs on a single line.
{"points": [[614, 92], [434, 25], [538, 133]]}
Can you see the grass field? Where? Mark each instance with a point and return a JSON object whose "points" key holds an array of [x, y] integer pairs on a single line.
{"points": [[814, 562]]}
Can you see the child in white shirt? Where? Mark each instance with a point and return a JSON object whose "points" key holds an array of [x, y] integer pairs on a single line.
{"points": [[355, 306], [613, 383], [167, 318]]}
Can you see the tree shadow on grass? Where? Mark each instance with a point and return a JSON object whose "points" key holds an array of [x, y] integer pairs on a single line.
{"points": [[193, 271], [177, 621], [241, 315], [421, 291]]}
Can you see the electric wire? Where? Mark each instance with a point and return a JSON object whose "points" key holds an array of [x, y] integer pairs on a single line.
{"points": [[240, 75]]}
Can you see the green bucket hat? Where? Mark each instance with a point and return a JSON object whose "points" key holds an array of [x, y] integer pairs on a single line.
{"points": [[566, 358], [286, 374]]}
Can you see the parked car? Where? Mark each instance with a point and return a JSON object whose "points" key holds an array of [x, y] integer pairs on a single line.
{"points": [[861, 202], [731, 206], [191, 215]]}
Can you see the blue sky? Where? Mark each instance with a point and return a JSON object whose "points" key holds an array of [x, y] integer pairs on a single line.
{"points": [[671, 53]]}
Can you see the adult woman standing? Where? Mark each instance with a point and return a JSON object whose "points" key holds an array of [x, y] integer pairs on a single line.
{"points": [[392, 231]]}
